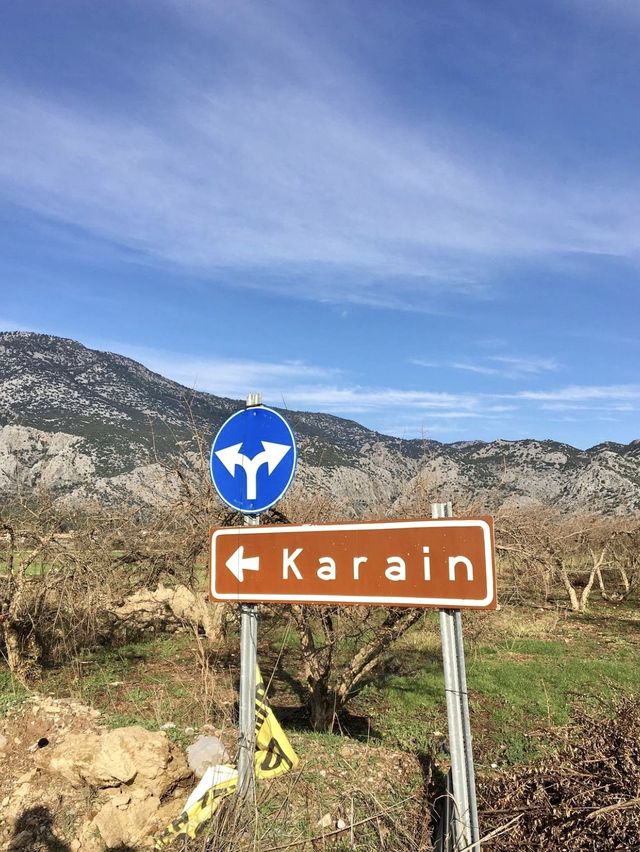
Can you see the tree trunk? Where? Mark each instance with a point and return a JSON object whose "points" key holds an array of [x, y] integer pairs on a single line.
{"points": [[23, 653], [597, 561], [323, 707], [571, 592], [625, 580]]}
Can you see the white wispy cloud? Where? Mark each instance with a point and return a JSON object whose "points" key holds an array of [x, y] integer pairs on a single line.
{"points": [[421, 362], [511, 367], [406, 412], [349, 398], [584, 393], [523, 366], [471, 367], [287, 163], [229, 377], [296, 384]]}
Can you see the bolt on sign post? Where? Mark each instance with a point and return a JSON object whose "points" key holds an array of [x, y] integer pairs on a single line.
{"points": [[458, 828], [253, 462]]}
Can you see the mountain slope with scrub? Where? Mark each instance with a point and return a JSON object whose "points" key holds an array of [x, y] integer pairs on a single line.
{"points": [[88, 424]]}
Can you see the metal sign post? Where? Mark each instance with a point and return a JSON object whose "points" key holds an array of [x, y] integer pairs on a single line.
{"points": [[253, 462], [247, 714], [460, 822]]}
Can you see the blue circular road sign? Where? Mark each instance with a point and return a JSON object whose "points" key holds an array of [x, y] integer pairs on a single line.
{"points": [[253, 459]]}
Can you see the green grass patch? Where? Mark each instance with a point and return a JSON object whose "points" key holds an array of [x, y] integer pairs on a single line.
{"points": [[526, 672], [521, 692], [148, 683], [126, 720], [12, 692], [408, 711], [37, 568]]}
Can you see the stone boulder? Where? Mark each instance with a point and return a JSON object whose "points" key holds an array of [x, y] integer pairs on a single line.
{"points": [[126, 819], [132, 770], [169, 608], [133, 756]]}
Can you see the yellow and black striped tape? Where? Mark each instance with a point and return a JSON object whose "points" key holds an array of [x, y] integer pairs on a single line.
{"points": [[274, 756]]}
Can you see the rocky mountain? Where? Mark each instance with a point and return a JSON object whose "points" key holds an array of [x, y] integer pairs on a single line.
{"points": [[88, 424]]}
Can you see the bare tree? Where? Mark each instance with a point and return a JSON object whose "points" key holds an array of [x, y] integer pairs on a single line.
{"points": [[340, 645], [64, 577], [559, 553], [623, 575]]}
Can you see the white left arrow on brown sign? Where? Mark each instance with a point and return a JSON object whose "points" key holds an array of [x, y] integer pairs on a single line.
{"points": [[238, 563]]}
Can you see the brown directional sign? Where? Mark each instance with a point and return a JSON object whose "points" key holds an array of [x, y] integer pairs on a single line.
{"points": [[444, 563]]}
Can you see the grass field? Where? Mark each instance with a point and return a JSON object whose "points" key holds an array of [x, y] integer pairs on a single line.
{"points": [[527, 670]]}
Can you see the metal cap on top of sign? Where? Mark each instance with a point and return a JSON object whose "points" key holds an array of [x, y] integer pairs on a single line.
{"points": [[253, 459]]}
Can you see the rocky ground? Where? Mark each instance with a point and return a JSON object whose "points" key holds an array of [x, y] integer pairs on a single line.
{"points": [[68, 783]]}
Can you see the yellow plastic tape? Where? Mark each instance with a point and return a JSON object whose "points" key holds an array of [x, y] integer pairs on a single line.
{"points": [[274, 756]]}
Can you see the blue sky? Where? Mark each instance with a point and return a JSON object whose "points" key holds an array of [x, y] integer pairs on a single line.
{"points": [[421, 215]]}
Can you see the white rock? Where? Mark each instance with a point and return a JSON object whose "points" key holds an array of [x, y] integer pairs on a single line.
{"points": [[205, 752]]}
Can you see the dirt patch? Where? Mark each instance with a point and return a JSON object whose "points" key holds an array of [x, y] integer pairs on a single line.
{"points": [[31, 810], [67, 783], [70, 784]]}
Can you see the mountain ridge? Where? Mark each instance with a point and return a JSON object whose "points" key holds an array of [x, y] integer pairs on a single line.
{"points": [[96, 424]]}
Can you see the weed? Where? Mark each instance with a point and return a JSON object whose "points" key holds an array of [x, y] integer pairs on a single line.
{"points": [[125, 720], [12, 692]]}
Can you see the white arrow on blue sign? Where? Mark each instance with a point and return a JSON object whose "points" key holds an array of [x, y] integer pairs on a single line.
{"points": [[253, 459]]}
